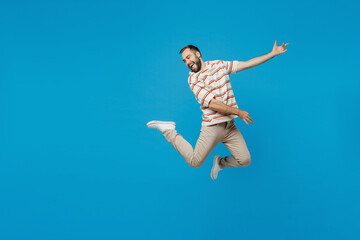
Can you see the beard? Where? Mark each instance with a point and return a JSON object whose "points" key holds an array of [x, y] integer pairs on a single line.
{"points": [[197, 65]]}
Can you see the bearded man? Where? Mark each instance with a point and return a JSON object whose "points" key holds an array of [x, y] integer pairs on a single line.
{"points": [[210, 83]]}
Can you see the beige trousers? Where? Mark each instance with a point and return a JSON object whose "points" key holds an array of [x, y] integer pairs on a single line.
{"points": [[225, 132]]}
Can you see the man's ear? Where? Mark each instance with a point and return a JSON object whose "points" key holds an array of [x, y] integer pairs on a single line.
{"points": [[198, 54]]}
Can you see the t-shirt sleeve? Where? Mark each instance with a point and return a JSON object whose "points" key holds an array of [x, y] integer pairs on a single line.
{"points": [[202, 94], [231, 66]]}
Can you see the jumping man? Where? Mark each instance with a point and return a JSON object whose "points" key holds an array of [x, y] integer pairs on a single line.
{"points": [[210, 83]]}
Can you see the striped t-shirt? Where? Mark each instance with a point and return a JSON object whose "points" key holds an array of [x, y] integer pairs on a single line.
{"points": [[214, 82]]}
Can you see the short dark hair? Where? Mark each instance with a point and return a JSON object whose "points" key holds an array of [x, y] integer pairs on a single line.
{"points": [[192, 48]]}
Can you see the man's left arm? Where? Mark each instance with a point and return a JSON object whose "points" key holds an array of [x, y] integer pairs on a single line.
{"points": [[277, 50]]}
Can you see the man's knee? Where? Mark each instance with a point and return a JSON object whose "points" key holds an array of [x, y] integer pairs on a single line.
{"points": [[196, 162], [195, 165], [244, 161]]}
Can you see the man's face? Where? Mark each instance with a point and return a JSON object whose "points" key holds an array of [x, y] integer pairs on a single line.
{"points": [[192, 60]]}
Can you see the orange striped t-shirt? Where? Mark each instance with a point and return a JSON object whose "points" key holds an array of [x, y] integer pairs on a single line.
{"points": [[213, 82]]}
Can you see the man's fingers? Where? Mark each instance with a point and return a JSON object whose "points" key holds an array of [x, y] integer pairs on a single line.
{"points": [[245, 121], [250, 120], [283, 45]]}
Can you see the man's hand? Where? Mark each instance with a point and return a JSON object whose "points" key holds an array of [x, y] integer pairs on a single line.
{"points": [[277, 50], [244, 116]]}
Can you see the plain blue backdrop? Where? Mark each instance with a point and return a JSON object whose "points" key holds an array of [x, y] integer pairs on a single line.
{"points": [[79, 80]]}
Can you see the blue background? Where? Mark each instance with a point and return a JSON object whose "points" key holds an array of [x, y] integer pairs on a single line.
{"points": [[79, 80]]}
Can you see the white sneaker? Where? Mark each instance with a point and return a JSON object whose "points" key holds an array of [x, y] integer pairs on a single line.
{"points": [[161, 125], [216, 167]]}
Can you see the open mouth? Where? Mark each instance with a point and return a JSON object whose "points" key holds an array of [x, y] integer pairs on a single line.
{"points": [[192, 65]]}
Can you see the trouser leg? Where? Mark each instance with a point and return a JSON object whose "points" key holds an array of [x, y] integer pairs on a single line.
{"points": [[207, 141], [235, 142]]}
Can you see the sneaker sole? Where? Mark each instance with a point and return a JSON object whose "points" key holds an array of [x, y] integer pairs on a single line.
{"points": [[214, 162], [160, 122]]}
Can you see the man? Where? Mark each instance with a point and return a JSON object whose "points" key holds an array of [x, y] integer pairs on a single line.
{"points": [[210, 83]]}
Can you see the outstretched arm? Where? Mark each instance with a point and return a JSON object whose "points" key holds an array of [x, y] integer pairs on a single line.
{"points": [[277, 50], [221, 107]]}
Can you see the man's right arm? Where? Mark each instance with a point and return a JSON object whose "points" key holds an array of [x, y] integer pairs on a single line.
{"points": [[202, 95], [207, 99], [222, 108]]}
